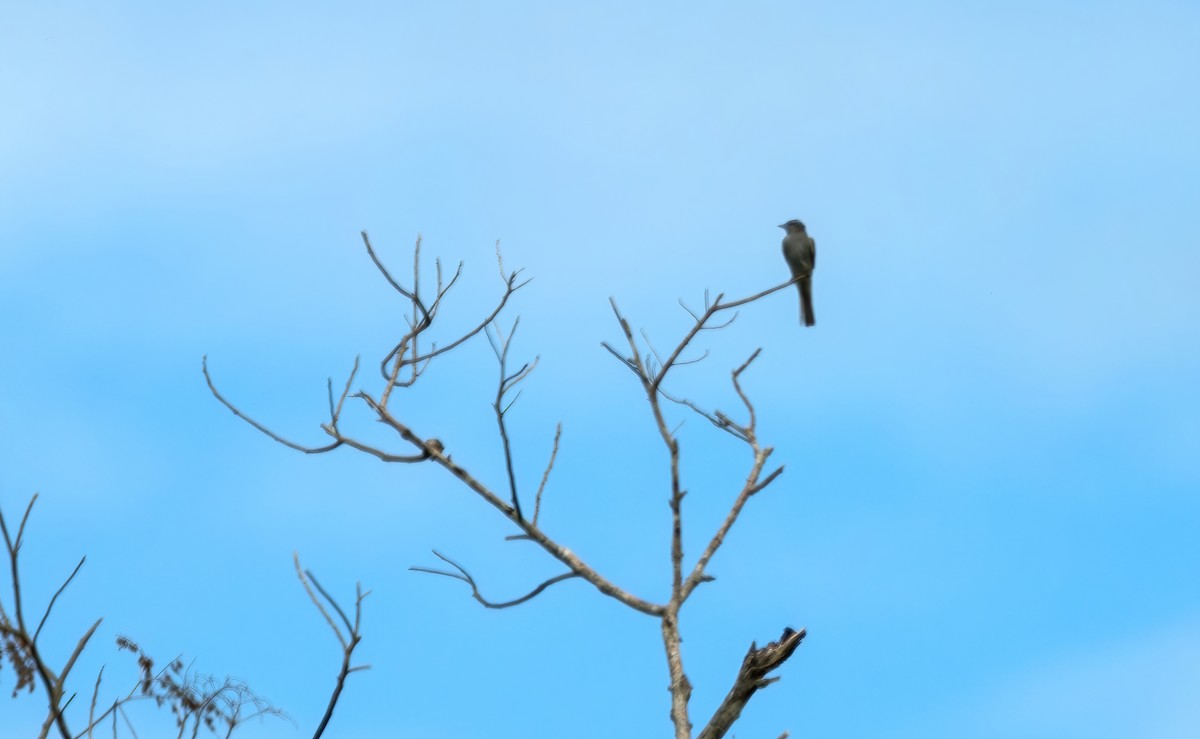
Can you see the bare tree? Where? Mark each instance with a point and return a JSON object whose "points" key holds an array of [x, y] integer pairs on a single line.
{"points": [[195, 700], [410, 357]]}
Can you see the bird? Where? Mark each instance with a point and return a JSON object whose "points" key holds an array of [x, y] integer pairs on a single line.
{"points": [[800, 251]]}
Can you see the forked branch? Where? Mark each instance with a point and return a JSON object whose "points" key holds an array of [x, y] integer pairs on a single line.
{"points": [[500, 345], [405, 353], [652, 368], [349, 639], [652, 376], [21, 647]]}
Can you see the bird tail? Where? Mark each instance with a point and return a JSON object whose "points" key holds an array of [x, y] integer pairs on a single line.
{"points": [[807, 317]]}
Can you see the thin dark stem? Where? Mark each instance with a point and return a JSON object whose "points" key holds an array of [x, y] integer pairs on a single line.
{"points": [[407, 344], [500, 346], [234, 409], [348, 641], [411, 295], [465, 576], [537, 503], [50, 682], [329, 598], [337, 689], [95, 696], [57, 593]]}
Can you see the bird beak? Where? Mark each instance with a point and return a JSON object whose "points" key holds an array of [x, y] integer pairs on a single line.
{"points": [[783, 225]]}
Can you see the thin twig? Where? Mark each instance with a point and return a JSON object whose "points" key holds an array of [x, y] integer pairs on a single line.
{"points": [[234, 409], [763, 294], [300, 573], [427, 314], [329, 598], [348, 641], [556, 550], [50, 682], [465, 576], [753, 483], [500, 346], [83, 640], [537, 504], [411, 295], [336, 412], [716, 418], [37, 632], [415, 303], [92, 707]]}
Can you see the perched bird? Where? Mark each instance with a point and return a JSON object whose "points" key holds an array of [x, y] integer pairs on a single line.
{"points": [[800, 251]]}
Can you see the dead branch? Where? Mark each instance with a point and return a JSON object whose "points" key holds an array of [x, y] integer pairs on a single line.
{"points": [[268, 432], [680, 687], [500, 345], [556, 550], [405, 353], [92, 705], [23, 653], [652, 369], [754, 480], [465, 576], [752, 676], [652, 377], [537, 504], [54, 599], [349, 640]]}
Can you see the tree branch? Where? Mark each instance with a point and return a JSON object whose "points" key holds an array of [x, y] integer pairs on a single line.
{"points": [[417, 327], [652, 369], [556, 550], [30, 661], [752, 676], [754, 481], [500, 345], [465, 576], [349, 640], [537, 504], [276, 437], [652, 382], [50, 606]]}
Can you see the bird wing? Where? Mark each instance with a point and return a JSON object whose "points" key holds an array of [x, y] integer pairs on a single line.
{"points": [[798, 251], [791, 256]]}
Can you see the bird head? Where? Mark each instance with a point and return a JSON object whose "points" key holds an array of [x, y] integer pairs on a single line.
{"points": [[792, 226]]}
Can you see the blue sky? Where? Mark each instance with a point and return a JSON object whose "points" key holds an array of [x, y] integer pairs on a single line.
{"points": [[988, 521]]}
